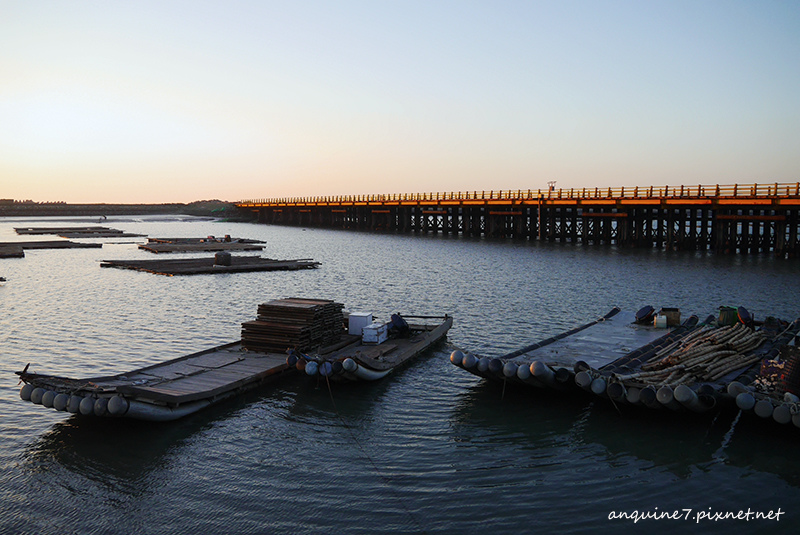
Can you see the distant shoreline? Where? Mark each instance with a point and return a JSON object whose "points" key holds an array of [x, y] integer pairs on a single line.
{"points": [[200, 208]]}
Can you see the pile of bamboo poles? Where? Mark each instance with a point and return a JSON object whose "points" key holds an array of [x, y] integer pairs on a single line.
{"points": [[705, 355]]}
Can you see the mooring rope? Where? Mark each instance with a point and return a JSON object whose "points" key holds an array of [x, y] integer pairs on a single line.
{"points": [[385, 479]]}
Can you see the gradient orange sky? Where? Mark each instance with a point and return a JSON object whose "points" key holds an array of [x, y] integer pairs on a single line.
{"points": [[176, 101]]}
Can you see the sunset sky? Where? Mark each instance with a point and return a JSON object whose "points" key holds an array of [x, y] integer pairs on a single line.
{"points": [[176, 101]]}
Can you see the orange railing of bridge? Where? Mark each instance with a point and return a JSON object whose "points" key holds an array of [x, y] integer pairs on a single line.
{"points": [[649, 192]]}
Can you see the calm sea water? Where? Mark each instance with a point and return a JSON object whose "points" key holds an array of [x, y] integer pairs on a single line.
{"points": [[430, 449]]}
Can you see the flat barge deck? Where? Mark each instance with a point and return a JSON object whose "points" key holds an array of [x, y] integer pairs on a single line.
{"points": [[77, 232], [161, 392], [210, 265]]}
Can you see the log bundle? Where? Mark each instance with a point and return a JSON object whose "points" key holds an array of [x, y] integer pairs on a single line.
{"points": [[304, 324]]}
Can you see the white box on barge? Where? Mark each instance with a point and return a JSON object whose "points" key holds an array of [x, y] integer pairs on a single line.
{"points": [[357, 321], [375, 333]]}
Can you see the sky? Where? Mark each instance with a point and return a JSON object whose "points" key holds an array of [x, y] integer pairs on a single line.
{"points": [[177, 101]]}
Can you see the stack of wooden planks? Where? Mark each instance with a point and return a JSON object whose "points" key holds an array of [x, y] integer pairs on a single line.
{"points": [[303, 324]]}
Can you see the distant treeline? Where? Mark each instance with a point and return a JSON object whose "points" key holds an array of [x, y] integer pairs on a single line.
{"points": [[199, 208]]}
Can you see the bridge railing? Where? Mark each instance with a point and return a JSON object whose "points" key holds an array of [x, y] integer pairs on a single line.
{"points": [[699, 191]]}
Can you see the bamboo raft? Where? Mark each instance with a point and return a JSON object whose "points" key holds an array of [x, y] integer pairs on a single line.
{"points": [[209, 244], [220, 263], [694, 366]]}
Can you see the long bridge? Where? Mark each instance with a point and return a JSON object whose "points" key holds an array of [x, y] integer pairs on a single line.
{"points": [[732, 219]]}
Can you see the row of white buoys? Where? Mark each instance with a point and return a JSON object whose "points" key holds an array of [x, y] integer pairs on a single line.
{"points": [[536, 373], [324, 368], [540, 374], [86, 405], [783, 412]]}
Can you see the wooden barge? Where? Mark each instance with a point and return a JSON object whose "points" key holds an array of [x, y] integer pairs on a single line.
{"points": [[17, 249], [693, 366], [379, 350], [209, 244], [77, 232], [220, 263], [165, 391], [182, 386]]}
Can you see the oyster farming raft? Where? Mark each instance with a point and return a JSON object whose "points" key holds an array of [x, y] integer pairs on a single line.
{"points": [[650, 360], [317, 334]]}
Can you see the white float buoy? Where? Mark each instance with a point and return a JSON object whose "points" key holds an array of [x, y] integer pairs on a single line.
{"points": [[25, 392], [524, 372], [649, 397], [788, 397], [101, 406], [796, 419], [684, 395], [469, 361], [666, 396], [312, 368], [632, 395], [349, 365], [598, 386], [616, 391], [763, 408], [87, 406], [782, 414], [47, 399], [118, 405], [60, 402], [689, 399], [735, 388], [745, 401], [509, 369], [456, 357], [583, 379], [543, 372], [483, 364], [74, 404], [36, 395]]}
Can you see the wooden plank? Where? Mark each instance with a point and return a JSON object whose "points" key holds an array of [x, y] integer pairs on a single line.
{"points": [[216, 359], [207, 384]]}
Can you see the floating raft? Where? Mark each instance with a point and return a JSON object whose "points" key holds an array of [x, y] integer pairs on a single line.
{"points": [[595, 344], [694, 367], [77, 232], [182, 386], [210, 244], [16, 249], [197, 266], [381, 349], [162, 392]]}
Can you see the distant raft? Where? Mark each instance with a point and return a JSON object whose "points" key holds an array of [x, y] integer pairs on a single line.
{"points": [[207, 244], [222, 262], [694, 366]]}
